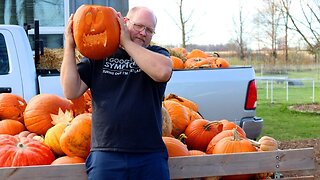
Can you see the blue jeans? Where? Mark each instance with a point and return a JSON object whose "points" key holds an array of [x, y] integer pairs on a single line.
{"points": [[103, 165]]}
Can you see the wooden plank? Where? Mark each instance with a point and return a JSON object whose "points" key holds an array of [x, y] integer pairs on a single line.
{"points": [[299, 178], [241, 163], [52, 172], [185, 167]]}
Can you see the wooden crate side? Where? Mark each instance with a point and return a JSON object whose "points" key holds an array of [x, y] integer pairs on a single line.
{"points": [[52, 172], [186, 167], [241, 163]]}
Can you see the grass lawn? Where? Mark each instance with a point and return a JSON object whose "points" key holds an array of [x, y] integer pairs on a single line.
{"points": [[282, 123]]}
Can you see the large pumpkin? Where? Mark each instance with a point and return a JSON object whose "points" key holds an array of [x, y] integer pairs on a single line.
{"points": [[179, 116], [37, 115], [96, 31], [76, 138], [15, 151], [199, 133], [12, 106]]}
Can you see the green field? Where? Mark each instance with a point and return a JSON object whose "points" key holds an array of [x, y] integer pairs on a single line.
{"points": [[273, 101]]}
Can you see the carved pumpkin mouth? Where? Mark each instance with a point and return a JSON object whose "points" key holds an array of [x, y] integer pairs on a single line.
{"points": [[95, 39]]}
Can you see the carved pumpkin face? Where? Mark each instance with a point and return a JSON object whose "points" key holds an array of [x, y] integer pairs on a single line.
{"points": [[96, 31]]}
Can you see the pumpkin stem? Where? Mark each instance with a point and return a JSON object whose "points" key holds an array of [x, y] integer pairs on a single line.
{"points": [[216, 123], [173, 96], [236, 136], [255, 143], [20, 145], [182, 137]]}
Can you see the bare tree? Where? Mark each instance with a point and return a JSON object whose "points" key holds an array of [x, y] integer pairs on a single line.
{"points": [[268, 19], [239, 32], [309, 26], [182, 24]]}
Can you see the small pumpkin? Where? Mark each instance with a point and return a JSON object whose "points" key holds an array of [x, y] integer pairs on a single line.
{"points": [[12, 106], [266, 143], [76, 137], [96, 31], [15, 151], [222, 63], [175, 147], [68, 160], [12, 127], [177, 63]]}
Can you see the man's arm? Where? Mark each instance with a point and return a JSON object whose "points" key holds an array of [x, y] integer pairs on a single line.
{"points": [[71, 83]]}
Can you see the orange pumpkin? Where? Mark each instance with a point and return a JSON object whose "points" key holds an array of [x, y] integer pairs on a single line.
{"points": [[234, 144], [179, 116], [199, 133], [175, 147], [37, 115], [228, 125], [196, 153], [12, 127], [193, 115], [15, 151], [197, 53], [177, 63], [76, 137], [68, 160], [222, 63], [195, 63], [218, 137], [96, 31], [12, 106], [183, 101]]}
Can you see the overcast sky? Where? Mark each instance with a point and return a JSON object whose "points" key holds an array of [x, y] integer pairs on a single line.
{"points": [[213, 20]]}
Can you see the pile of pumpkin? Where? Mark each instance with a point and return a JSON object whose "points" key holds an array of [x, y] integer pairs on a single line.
{"points": [[186, 133], [46, 130], [196, 59], [53, 130]]}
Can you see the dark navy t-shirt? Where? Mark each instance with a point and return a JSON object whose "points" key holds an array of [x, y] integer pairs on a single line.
{"points": [[126, 104]]}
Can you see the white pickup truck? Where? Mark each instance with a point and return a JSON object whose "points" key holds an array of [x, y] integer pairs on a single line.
{"points": [[227, 93]]}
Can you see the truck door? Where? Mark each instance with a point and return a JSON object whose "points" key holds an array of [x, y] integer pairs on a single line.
{"points": [[10, 77]]}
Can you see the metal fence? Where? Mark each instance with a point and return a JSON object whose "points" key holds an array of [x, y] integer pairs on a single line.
{"points": [[282, 88]]}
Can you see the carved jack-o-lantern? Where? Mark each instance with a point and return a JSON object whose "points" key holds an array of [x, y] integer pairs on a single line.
{"points": [[96, 31]]}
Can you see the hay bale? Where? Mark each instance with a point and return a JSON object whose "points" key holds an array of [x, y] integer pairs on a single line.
{"points": [[52, 58]]}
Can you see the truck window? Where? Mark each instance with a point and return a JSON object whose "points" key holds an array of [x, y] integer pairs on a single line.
{"points": [[4, 60]]}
